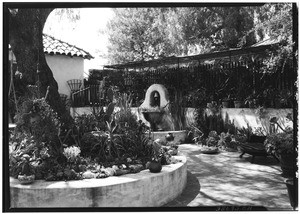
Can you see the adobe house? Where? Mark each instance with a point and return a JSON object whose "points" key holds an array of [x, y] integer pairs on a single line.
{"points": [[65, 60]]}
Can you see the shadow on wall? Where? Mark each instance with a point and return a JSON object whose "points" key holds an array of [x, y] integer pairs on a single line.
{"points": [[190, 192], [240, 118], [257, 119]]}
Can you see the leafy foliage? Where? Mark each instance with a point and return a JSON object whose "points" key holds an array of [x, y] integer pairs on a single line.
{"points": [[138, 34], [276, 22], [280, 143]]}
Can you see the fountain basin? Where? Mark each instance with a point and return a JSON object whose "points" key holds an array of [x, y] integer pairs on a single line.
{"points": [[179, 136], [143, 189], [153, 117]]}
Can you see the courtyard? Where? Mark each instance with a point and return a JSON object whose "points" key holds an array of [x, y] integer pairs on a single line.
{"points": [[228, 181], [186, 108]]}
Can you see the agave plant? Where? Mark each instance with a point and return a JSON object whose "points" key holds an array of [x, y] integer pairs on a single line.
{"points": [[112, 138]]}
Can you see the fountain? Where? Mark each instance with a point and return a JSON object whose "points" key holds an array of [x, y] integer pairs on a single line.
{"points": [[156, 111]]}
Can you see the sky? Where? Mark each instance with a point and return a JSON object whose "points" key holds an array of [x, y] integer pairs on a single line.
{"points": [[84, 33]]}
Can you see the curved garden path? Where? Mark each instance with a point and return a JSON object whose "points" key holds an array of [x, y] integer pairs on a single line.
{"points": [[225, 179]]}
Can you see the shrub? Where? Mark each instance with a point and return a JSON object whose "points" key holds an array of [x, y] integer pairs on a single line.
{"points": [[280, 143], [38, 119], [92, 144], [213, 139]]}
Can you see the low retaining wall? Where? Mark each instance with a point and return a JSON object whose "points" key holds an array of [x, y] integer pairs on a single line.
{"points": [[143, 189]]}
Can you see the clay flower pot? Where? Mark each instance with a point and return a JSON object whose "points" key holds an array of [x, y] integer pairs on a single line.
{"points": [[26, 179], [237, 104], [169, 137], [155, 166], [225, 104]]}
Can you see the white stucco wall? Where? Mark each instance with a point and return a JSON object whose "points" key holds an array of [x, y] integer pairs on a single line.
{"points": [[65, 68]]}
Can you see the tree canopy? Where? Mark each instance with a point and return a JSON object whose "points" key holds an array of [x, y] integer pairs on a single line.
{"points": [[276, 22], [146, 33], [138, 34]]}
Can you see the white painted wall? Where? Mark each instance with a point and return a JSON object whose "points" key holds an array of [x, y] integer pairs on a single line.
{"points": [[65, 68], [239, 116]]}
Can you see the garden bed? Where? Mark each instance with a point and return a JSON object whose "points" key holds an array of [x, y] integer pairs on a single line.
{"points": [[143, 189]]}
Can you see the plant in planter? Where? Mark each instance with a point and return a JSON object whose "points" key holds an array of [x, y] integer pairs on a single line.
{"points": [[155, 163], [213, 108], [26, 175], [282, 146], [239, 95], [238, 103], [212, 102], [251, 101], [211, 146], [284, 98], [226, 101], [269, 95], [227, 142]]}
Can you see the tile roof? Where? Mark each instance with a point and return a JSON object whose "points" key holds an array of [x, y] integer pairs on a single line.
{"points": [[56, 46]]}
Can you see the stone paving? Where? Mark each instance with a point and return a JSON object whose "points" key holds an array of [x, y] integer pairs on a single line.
{"points": [[225, 179]]}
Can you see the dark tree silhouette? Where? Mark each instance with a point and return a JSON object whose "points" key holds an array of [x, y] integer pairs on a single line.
{"points": [[26, 40]]}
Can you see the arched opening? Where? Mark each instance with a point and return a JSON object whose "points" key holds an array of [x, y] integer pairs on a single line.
{"points": [[155, 99]]}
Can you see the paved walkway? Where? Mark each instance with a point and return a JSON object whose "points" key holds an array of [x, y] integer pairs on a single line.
{"points": [[224, 179]]}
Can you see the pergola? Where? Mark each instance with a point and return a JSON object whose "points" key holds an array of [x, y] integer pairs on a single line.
{"points": [[226, 56]]}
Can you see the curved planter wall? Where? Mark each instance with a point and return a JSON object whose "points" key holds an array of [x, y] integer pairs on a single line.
{"points": [[143, 189]]}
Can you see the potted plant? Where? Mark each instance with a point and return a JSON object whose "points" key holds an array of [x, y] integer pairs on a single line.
{"points": [[284, 98], [239, 95], [211, 100], [26, 175], [154, 165], [227, 142], [269, 97], [282, 146], [225, 102], [251, 101], [211, 143], [213, 108], [238, 103]]}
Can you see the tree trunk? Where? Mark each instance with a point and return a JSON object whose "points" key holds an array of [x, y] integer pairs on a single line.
{"points": [[26, 40]]}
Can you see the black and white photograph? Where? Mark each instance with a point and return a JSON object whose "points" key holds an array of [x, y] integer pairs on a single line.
{"points": [[150, 106]]}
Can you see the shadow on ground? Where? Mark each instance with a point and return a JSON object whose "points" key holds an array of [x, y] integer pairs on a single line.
{"points": [[189, 193], [225, 179]]}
